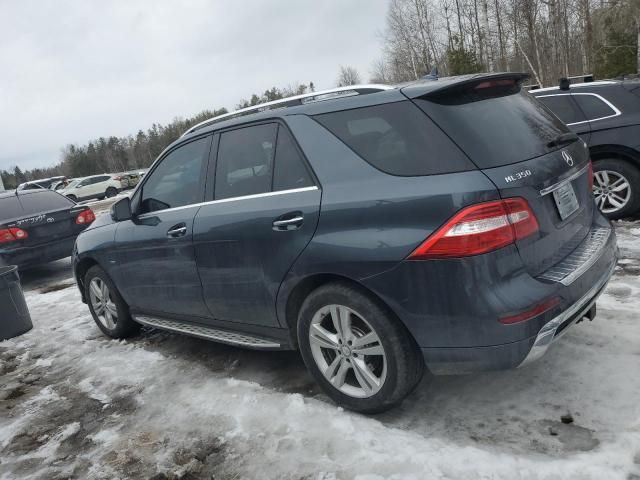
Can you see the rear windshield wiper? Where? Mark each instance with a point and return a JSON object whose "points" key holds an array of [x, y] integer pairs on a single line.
{"points": [[563, 139]]}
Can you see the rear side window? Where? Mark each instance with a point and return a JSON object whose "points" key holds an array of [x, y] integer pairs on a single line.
{"points": [[43, 201], [245, 161], [495, 128], [564, 107], [290, 170], [593, 106], [396, 138]]}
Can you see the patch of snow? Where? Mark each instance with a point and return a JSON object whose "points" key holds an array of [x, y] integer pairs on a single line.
{"points": [[163, 403]]}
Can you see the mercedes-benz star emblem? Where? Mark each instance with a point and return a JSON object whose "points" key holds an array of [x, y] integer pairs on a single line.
{"points": [[567, 158]]}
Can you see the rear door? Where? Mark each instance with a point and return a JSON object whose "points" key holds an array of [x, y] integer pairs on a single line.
{"points": [[526, 152], [263, 213]]}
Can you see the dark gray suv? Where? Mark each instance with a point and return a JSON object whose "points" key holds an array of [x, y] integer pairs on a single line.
{"points": [[447, 224]]}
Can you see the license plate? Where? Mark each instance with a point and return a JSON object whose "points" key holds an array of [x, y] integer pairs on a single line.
{"points": [[566, 200]]}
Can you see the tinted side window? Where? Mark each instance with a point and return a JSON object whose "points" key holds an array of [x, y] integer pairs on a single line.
{"points": [[101, 179], [396, 138], [593, 107], [176, 180], [290, 169], [564, 107], [43, 202], [245, 161]]}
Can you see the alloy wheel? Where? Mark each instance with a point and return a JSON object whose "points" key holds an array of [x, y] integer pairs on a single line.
{"points": [[611, 190], [102, 303], [348, 351]]}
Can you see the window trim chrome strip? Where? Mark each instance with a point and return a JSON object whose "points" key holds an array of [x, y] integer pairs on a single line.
{"points": [[570, 178], [231, 199], [616, 111]]}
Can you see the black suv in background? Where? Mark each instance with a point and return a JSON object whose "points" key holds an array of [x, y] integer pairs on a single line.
{"points": [[378, 229], [39, 226], [606, 115]]}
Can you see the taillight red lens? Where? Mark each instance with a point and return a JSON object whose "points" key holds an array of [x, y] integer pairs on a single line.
{"points": [[480, 228], [530, 313], [12, 235], [590, 174], [85, 217]]}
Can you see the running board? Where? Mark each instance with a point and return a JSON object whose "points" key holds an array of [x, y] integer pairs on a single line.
{"points": [[208, 333]]}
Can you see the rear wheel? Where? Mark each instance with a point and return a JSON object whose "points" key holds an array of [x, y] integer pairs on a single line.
{"points": [[360, 354], [111, 192], [616, 187], [108, 308]]}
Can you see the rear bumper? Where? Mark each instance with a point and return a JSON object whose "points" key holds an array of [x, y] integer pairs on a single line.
{"points": [[39, 254], [452, 307], [559, 324]]}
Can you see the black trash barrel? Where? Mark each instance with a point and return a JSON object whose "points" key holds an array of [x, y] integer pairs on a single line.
{"points": [[14, 314]]}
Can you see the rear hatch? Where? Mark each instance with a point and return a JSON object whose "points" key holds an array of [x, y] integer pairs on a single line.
{"points": [[46, 216], [525, 151]]}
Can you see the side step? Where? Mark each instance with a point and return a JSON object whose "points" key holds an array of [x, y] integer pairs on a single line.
{"points": [[208, 333]]}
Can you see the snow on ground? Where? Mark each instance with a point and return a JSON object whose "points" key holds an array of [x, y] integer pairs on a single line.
{"points": [[74, 404]]}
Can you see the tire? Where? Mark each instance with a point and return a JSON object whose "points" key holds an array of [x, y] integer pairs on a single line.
{"points": [[122, 326], [610, 177], [72, 197], [365, 383], [110, 192]]}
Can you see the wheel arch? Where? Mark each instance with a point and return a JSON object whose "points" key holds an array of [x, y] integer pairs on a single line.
{"points": [[305, 286], [80, 270], [620, 152]]}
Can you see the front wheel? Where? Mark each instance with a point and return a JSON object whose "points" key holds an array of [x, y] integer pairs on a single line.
{"points": [[616, 187], [360, 354], [72, 198], [107, 307]]}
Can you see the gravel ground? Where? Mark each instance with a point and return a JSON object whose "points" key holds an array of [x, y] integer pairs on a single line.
{"points": [[74, 404]]}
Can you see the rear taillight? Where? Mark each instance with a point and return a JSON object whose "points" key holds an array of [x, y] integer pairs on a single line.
{"points": [[480, 228], [12, 235], [85, 217], [590, 175]]}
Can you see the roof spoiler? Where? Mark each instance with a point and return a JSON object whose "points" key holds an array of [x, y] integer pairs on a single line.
{"points": [[456, 84]]}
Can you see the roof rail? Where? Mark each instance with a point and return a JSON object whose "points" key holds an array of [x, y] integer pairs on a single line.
{"points": [[310, 97]]}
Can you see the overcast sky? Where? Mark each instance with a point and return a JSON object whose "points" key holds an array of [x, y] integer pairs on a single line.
{"points": [[72, 71]]}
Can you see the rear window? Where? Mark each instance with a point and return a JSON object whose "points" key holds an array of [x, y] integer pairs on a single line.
{"points": [[396, 138], [9, 208], [495, 128], [44, 201]]}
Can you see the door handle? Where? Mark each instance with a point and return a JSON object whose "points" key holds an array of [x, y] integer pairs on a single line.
{"points": [[288, 223], [177, 231]]}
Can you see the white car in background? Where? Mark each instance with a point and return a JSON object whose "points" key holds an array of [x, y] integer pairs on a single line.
{"points": [[95, 186]]}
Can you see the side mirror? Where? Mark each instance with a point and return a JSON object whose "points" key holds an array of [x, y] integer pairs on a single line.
{"points": [[121, 210]]}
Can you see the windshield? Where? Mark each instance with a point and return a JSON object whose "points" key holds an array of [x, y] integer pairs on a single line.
{"points": [[74, 183]]}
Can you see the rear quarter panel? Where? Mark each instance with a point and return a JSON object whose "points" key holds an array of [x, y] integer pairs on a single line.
{"points": [[369, 220]]}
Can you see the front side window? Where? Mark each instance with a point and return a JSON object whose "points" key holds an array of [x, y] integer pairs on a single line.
{"points": [[593, 106], [564, 107], [176, 180], [245, 161]]}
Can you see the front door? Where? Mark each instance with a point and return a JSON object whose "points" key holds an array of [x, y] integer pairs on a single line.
{"points": [[154, 250], [264, 212]]}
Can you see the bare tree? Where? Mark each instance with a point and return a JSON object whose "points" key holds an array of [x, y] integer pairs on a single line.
{"points": [[348, 76]]}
